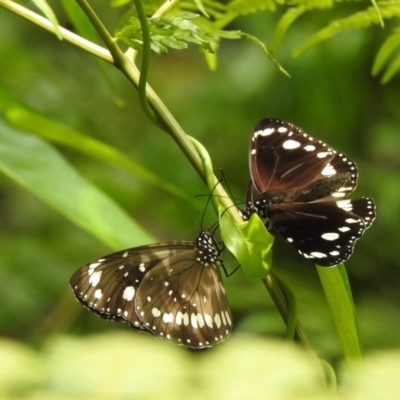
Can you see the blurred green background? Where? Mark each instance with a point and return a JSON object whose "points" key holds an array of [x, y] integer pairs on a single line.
{"points": [[330, 94]]}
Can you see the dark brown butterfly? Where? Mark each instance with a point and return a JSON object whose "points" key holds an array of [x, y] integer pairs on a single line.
{"points": [[298, 183], [173, 290]]}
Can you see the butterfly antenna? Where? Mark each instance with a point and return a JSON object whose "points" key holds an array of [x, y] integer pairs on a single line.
{"points": [[208, 202], [237, 202]]}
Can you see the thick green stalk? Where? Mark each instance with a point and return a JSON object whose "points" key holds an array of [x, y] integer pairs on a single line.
{"points": [[338, 294]]}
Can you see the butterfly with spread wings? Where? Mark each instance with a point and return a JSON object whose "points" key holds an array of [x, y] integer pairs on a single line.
{"points": [[298, 184]]}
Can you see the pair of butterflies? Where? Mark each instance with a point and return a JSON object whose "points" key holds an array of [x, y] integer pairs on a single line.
{"points": [[174, 290]]}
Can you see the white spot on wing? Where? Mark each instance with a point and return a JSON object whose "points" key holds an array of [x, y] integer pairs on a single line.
{"points": [[200, 320], [291, 144], [178, 318], [193, 320], [345, 205], [317, 254], [208, 319], [309, 147], [352, 221], [323, 154], [228, 318], [168, 317], [217, 320], [155, 311], [98, 294], [330, 236], [328, 170], [267, 132], [128, 293], [95, 278]]}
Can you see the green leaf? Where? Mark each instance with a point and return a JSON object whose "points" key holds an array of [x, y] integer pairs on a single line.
{"points": [[338, 294], [267, 52], [250, 243], [358, 20], [244, 7], [387, 48], [200, 6], [286, 21], [393, 68], [58, 133], [40, 169]]}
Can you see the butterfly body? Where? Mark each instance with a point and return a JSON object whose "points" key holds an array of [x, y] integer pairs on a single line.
{"points": [[173, 290], [298, 184]]}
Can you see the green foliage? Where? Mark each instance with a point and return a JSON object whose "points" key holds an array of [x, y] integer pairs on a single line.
{"points": [[174, 32], [338, 294], [177, 30], [391, 44], [79, 201], [359, 20], [250, 243], [244, 7]]}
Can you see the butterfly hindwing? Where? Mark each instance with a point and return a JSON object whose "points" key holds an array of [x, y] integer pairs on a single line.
{"points": [[322, 232], [197, 315]]}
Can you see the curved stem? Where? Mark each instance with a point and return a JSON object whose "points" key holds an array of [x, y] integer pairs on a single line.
{"points": [[291, 322], [144, 69]]}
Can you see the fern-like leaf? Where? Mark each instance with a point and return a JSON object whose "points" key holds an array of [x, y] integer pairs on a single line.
{"points": [[291, 16], [362, 19], [386, 50], [244, 7], [201, 8], [392, 70], [174, 32]]}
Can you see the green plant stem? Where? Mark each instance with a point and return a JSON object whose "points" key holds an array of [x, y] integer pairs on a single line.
{"points": [[277, 293], [144, 70], [129, 69], [68, 36], [272, 283], [340, 300]]}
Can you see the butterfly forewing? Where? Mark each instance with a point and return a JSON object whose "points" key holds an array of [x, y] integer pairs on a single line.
{"points": [[185, 302], [108, 286], [173, 290], [283, 157]]}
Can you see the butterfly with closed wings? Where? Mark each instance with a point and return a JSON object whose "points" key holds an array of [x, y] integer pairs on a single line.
{"points": [[173, 290], [298, 183]]}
